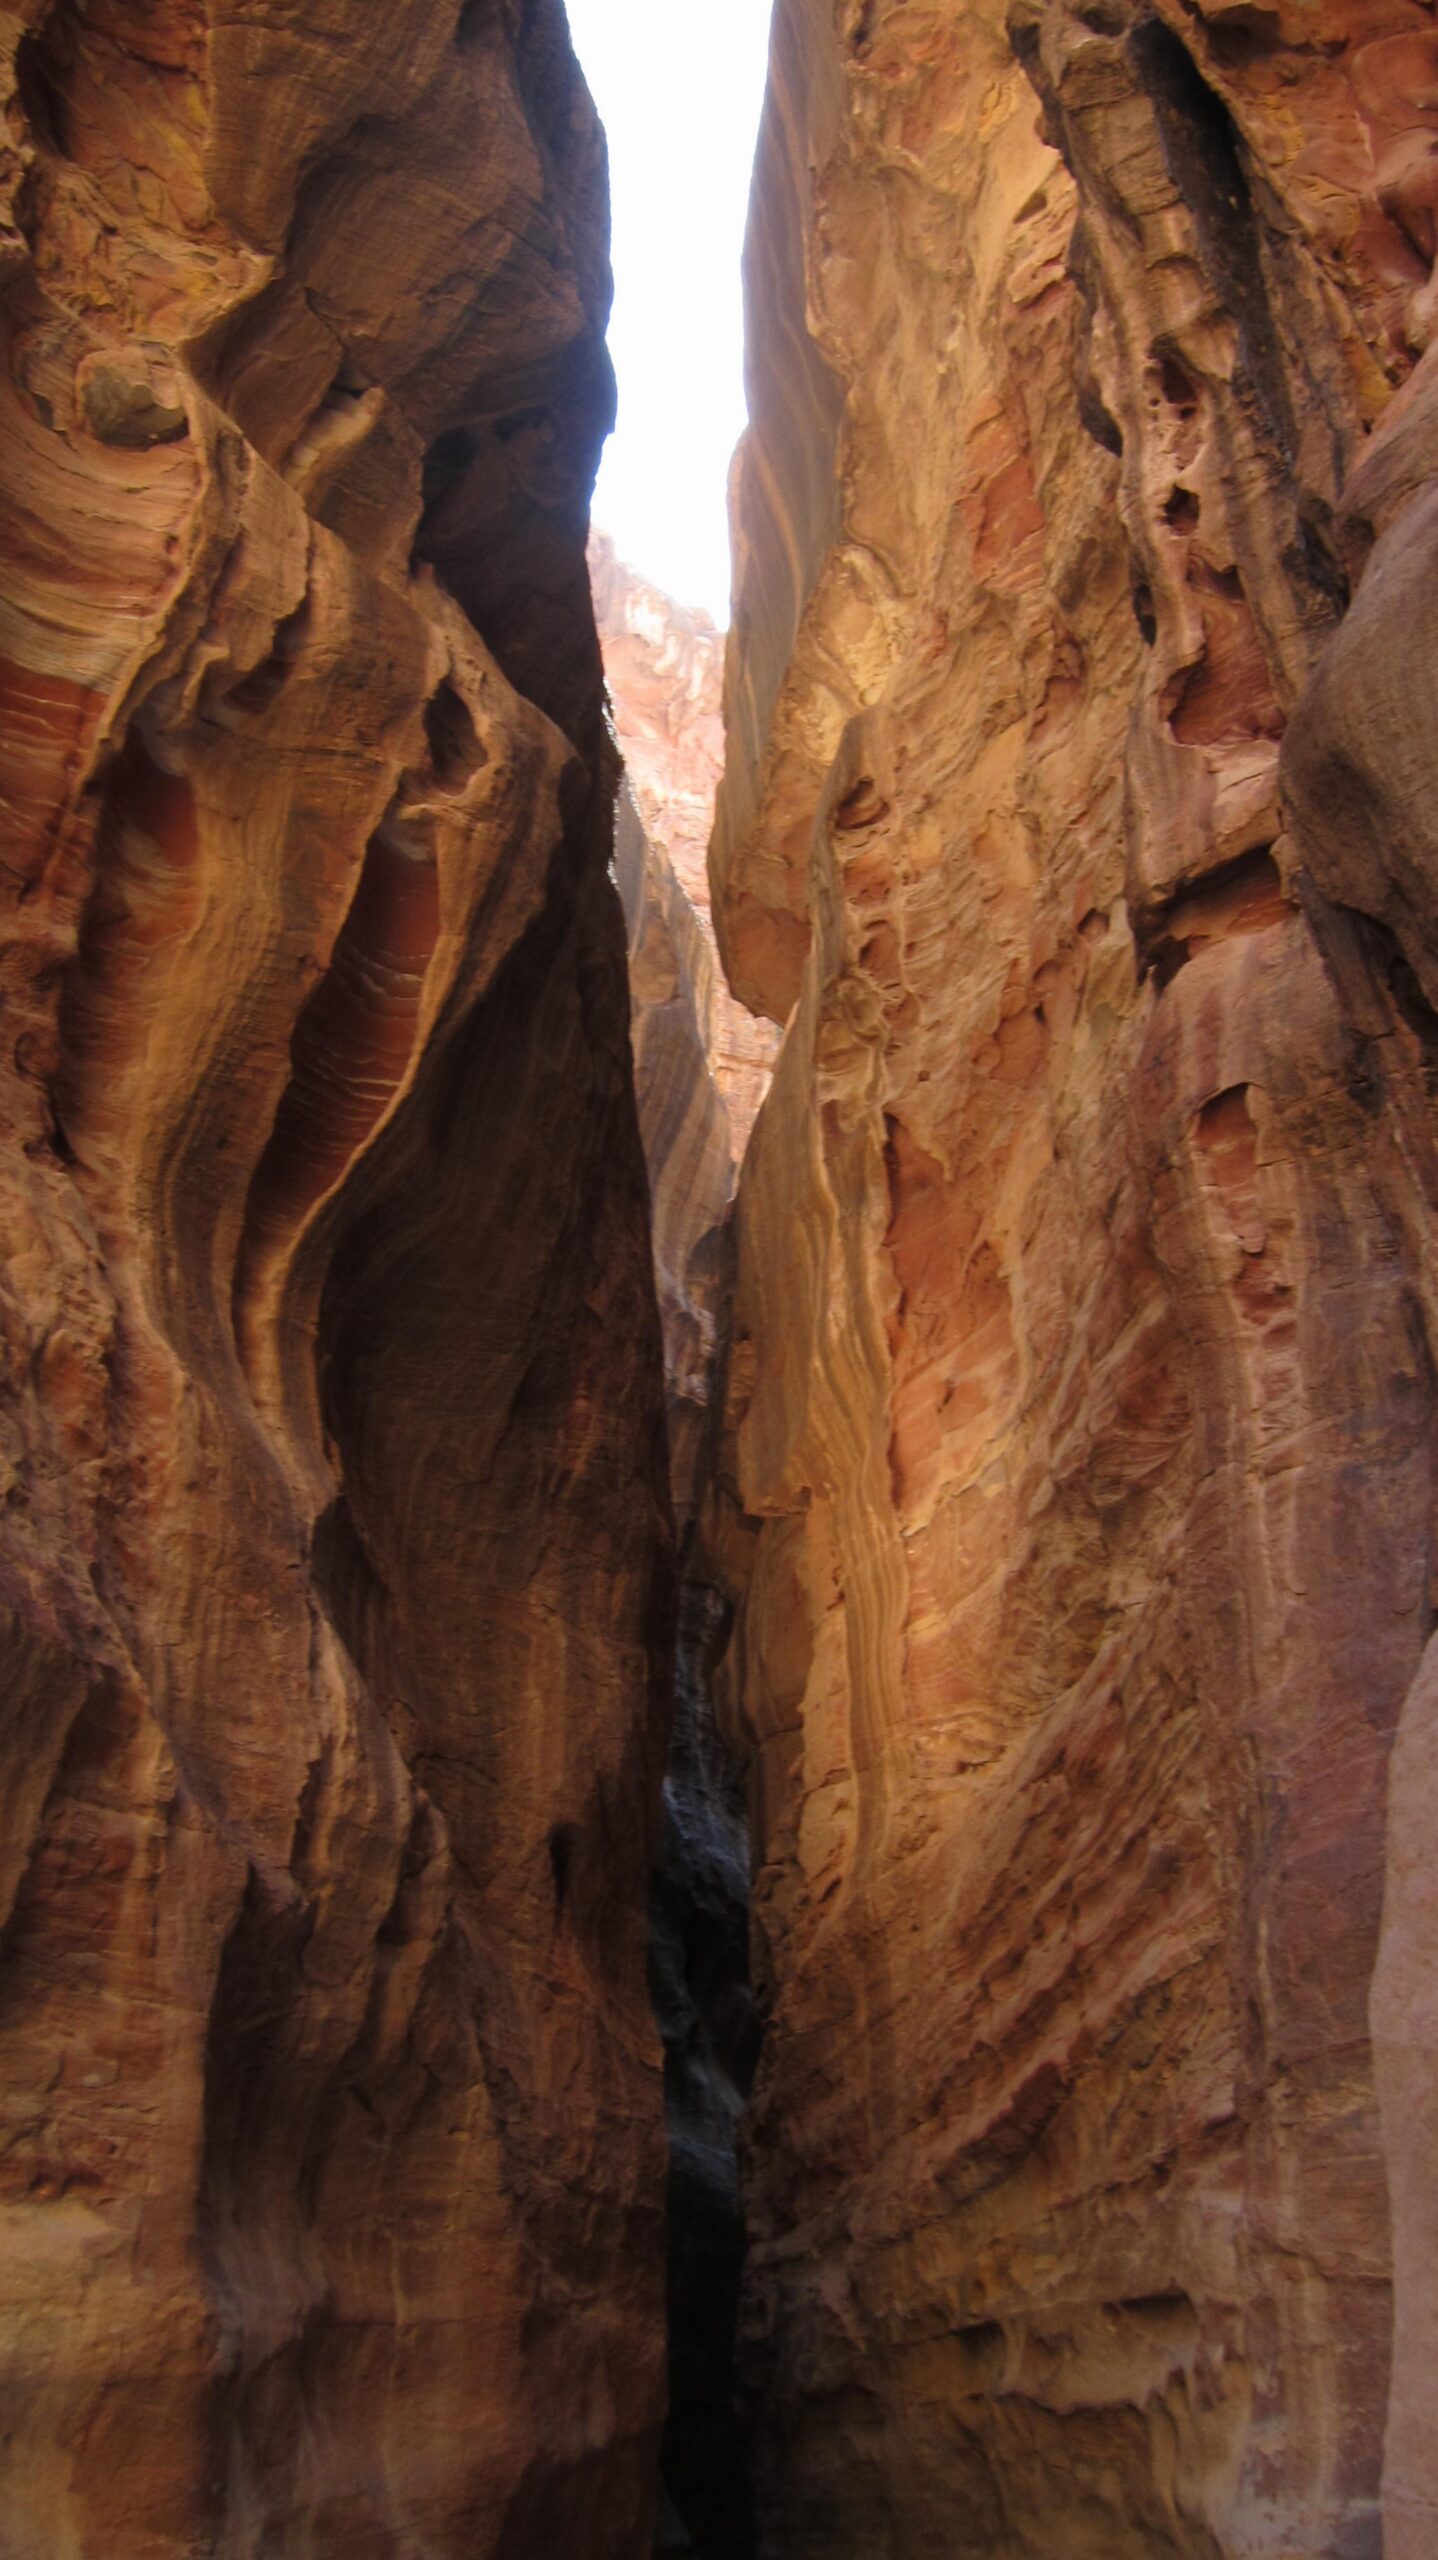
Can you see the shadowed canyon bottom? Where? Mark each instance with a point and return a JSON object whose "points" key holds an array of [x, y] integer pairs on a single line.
{"points": [[1007, 1503]]}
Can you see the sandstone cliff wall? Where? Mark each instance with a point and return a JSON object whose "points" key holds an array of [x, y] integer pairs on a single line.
{"points": [[1079, 821], [333, 1549]]}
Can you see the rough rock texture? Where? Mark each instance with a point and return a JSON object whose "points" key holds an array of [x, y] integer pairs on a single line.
{"points": [[1082, 1391], [333, 1544]]}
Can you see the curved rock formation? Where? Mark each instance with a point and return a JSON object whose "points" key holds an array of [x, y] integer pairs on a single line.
{"points": [[334, 1549], [1082, 1399]]}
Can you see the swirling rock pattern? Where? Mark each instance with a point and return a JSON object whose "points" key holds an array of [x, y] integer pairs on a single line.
{"points": [[1079, 823], [333, 1559]]}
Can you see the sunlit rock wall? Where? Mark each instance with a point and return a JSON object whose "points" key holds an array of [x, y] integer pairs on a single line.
{"points": [[333, 1549], [1082, 1389]]}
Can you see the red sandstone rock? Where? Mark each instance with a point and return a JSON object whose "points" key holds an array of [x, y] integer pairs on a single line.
{"points": [[333, 1552], [1082, 1400]]}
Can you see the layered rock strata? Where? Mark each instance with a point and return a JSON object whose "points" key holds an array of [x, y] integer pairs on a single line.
{"points": [[334, 1539], [1079, 822]]}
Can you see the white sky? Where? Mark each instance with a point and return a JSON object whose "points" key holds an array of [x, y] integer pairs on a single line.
{"points": [[677, 84]]}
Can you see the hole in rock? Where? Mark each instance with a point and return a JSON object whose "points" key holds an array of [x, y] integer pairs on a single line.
{"points": [[455, 751], [861, 806], [1241, 897], [982, 2342], [1177, 384], [40, 87], [561, 1860], [1171, 2313], [262, 686], [1096, 420]]}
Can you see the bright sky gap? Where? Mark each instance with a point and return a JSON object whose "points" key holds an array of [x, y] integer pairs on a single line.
{"points": [[678, 85]]}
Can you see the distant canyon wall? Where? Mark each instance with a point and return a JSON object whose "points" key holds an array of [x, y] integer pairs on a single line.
{"points": [[664, 666], [335, 1552], [1079, 822]]}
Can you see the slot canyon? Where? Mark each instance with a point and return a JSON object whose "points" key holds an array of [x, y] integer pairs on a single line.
{"points": [[719, 1744]]}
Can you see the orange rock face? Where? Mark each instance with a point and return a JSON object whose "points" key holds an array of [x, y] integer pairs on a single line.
{"points": [[333, 1554], [1079, 822]]}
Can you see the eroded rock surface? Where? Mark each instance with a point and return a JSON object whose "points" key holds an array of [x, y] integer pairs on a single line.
{"points": [[1082, 1393], [334, 1537]]}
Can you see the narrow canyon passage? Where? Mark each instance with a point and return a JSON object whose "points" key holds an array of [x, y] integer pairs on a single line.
{"points": [[702, 1066], [982, 2102]]}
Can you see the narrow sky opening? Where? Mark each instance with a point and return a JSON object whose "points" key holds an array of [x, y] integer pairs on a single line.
{"points": [[678, 85]]}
